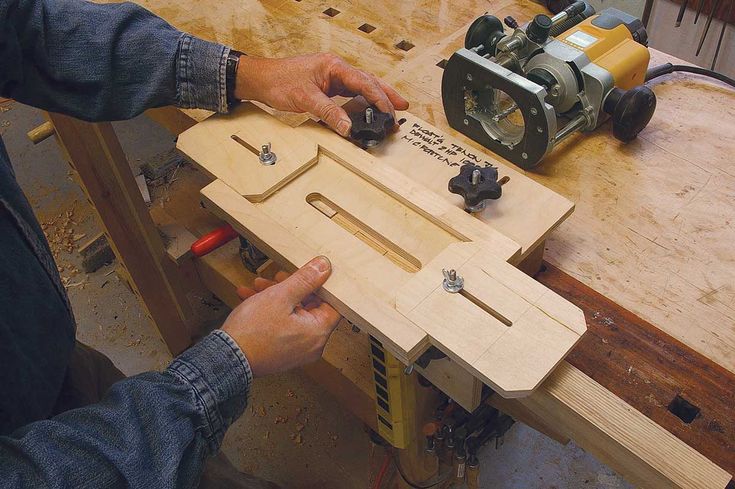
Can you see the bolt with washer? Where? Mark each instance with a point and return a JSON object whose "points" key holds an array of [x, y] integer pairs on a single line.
{"points": [[452, 283], [266, 156]]}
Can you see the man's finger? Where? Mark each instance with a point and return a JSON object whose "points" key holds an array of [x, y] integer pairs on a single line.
{"points": [[260, 283], [245, 292], [396, 99], [326, 316], [367, 85], [280, 276], [305, 281], [327, 110], [311, 302]]}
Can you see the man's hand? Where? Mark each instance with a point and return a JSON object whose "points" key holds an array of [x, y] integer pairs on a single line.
{"points": [[306, 83], [283, 325]]}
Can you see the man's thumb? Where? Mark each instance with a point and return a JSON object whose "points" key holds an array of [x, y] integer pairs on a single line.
{"points": [[306, 280]]}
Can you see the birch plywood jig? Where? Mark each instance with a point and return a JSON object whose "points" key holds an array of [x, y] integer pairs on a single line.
{"points": [[390, 239]]}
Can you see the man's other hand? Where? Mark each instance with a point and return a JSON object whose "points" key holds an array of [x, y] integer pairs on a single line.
{"points": [[306, 83], [282, 325]]}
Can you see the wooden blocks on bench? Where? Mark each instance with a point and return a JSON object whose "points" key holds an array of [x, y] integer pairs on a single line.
{"points": [[389, 238]]}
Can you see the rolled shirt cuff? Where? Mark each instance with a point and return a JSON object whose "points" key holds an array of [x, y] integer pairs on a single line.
{"points": [[200, 74], [220, 376]]}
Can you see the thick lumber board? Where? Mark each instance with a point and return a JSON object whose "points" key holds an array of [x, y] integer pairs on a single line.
{"points": [[619, 435], [649, 370]]}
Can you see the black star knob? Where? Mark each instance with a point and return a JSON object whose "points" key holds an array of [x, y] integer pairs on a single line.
{"points": [[476, 185], [370, 126]]}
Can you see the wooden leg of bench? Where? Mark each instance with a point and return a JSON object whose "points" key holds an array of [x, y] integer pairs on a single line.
{"points": [[104, 173]]}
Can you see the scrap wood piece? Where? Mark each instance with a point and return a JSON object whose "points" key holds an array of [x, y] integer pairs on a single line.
{"points": [[96, 253]]}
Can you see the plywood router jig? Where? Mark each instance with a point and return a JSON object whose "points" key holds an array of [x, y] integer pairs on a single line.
{"points": [[409, 265]]}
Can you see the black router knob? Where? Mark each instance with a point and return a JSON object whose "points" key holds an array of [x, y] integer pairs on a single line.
{"points": [[631, 110], [476, 185], [370, 126], [538, 29], [511, 22], [485, 31]]}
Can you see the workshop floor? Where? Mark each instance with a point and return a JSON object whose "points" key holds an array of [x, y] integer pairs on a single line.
{"points": [[292, 431]]}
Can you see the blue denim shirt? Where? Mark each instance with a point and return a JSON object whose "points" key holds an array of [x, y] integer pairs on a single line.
{"points": [[99, 62]]}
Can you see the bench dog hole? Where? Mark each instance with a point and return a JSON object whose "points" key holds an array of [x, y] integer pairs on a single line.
{"points": [[405, 45], [683, 409]]}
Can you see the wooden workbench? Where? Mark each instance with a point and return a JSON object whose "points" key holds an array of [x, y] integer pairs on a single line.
{"points": [[652, 230], [657, 212]]}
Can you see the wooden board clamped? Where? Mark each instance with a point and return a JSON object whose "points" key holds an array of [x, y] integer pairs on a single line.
{"points": [[388, 238]]}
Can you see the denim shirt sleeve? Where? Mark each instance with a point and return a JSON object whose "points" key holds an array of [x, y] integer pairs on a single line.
{"points": [[151, 430], [104, 61]]}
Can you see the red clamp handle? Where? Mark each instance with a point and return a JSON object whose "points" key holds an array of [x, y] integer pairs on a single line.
{"points": [[211, 241]]}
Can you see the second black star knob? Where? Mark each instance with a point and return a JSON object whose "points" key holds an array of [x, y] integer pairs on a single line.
{"points": [[476, 185]]}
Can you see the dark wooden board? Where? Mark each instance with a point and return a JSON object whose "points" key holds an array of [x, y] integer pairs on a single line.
{"points": [[649, 370]]}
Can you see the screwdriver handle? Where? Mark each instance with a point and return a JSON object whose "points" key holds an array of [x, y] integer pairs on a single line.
{"points": [[213, 240]]}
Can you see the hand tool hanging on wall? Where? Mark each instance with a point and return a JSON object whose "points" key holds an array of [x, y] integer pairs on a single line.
{"points": [[707, 25], [680, 16], [722, 34], [699, 10]]}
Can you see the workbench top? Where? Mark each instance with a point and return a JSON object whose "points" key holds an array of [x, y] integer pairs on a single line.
{"points": [[653, 226]]}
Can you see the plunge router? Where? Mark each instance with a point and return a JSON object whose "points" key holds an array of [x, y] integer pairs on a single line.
{"points": [[520, 94]]}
